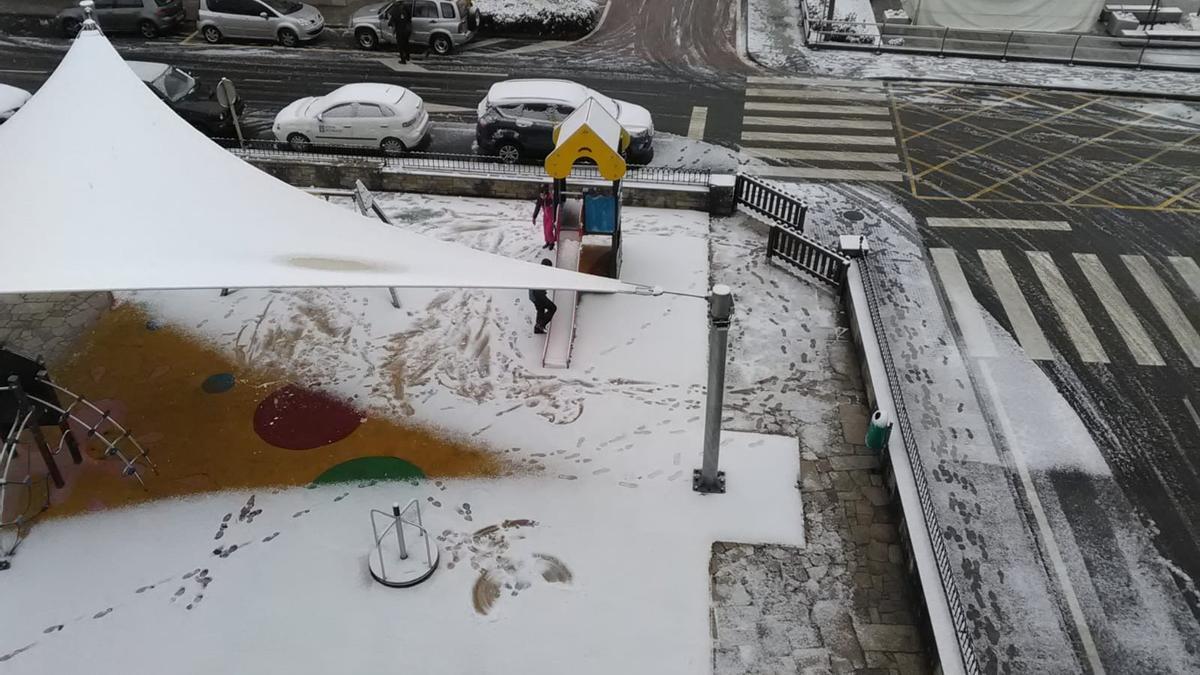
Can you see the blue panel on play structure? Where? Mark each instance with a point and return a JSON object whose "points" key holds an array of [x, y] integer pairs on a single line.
{"points": [[599, 214]]}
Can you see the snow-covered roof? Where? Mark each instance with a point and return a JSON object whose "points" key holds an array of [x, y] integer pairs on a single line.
{"points": [[148, 71], [104, 188]]}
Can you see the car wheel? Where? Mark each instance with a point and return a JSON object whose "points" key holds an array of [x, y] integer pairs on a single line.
{"points": [[366, 39], [70, 27], [299, 142], [212, 34], [441, 44], [392, 147], [288, 37], [148, 29], [508, 152]]}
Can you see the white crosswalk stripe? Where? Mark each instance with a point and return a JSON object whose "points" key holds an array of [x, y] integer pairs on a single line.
{"points": [[1045, 300], [1172, 315], [1020, 316], [808, 128], [1122, 315]]}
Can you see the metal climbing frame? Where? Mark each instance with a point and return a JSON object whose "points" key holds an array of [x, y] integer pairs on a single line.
{"points": [[34, 409]]}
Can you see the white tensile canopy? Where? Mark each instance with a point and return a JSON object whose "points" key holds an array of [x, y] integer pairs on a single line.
{"points": [[102, 187]]}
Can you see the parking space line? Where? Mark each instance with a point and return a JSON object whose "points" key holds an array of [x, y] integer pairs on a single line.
{"points": [[188, 40], [698, 122], [1020, 316], [1190, 272], [1073, 319], [1122, 315], [976, 337], [1177, 322]]}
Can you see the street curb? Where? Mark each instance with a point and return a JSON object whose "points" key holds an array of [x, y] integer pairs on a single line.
{"points": [[1195, 98]]}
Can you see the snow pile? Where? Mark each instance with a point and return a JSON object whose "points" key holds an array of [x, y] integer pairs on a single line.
{"points": [[539, 16], [688, 153]]}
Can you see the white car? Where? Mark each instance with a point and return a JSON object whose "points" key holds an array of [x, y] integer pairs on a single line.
{"points": [[367, 115], [11, 100], [517, 118]]}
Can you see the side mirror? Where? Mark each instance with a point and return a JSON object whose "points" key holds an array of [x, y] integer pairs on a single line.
{"points": [[264, 15]]}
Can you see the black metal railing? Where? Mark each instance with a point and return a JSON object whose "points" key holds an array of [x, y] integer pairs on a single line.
{"points": [[1143, 50], [481, 165], [808, 256], [774, 204], [958, 616]]}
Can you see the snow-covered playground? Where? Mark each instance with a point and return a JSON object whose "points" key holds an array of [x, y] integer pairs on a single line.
{"points": [[570, 538]]}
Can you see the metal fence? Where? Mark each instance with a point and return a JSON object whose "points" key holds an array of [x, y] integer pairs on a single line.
{"points": [[806, 255], [774, 204], [958, 616], [1070, 48], [480, 165]]}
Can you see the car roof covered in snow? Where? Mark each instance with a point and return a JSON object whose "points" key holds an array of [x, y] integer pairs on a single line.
{"points": [[148, 71], [549, 91], [365, 92]]}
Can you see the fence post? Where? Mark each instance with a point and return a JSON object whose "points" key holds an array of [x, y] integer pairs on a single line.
{"points": [[1004, 57], [707, 479], [1071, 61], [942, 50]]}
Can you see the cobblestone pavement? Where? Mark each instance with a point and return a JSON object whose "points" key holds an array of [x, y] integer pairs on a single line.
{"points": [[47, 325], [843, 603]]}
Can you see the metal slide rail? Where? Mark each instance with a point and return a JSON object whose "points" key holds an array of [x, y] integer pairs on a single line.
{"points": [[770, 202], [481, 165], [1142, 51], [808, 256], [962, 629]]}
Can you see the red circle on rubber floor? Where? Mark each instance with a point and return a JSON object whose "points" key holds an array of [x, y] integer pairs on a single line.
{"points": [[295, 418]]}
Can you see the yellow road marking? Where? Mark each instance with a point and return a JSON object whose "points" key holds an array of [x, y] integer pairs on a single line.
{"points": [[1133, 166], [1007, 136], [912, 181], [960, 118], [188, 39], [1033, 202], [1180, 196], [1050, 159]]}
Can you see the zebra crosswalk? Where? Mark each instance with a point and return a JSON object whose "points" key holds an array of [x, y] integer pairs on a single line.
{"points": [[819, 129], [1127, 308]]}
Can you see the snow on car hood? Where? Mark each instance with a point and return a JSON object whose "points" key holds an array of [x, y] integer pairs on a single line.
{"points": [[295, 110], [367, 14], [635, 118], [12, 98]]}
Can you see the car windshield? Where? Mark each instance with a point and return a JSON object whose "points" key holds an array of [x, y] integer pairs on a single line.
{"points": [[175, 84], [386, 10], [284, 6]]}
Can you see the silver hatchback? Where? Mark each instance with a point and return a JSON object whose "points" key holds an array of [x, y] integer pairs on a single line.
{"points": [[285, 21], [440, 24]]}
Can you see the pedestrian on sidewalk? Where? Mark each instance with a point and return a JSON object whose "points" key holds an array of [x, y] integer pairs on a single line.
{"points": [[546, 206], [544, 306], [401, 21]]}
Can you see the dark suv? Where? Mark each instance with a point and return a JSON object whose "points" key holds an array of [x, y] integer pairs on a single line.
{"points": [[183, 94], [151, 18], [517, 119]]}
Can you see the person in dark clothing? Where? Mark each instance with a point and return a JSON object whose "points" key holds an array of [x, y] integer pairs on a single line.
{"points": [[401, 22], [543, 304]]}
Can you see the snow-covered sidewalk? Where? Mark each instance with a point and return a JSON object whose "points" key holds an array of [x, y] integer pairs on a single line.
{"points": [[589, 553], [774, 40]]}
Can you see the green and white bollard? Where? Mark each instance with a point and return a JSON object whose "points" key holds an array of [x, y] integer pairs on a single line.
{"points": [[878, 430]]}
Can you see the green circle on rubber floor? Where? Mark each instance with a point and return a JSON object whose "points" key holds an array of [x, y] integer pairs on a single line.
{"points": [[370, 468]]}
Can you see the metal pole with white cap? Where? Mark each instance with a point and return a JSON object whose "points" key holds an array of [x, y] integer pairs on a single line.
{"points": [[708, 479]]}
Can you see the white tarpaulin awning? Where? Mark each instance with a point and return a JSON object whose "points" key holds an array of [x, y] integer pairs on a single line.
{"points": [[102, 187], [1026, 15]]}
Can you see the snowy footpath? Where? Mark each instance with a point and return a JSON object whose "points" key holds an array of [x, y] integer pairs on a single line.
{"points": [[1040, 593], [590, 554]]}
